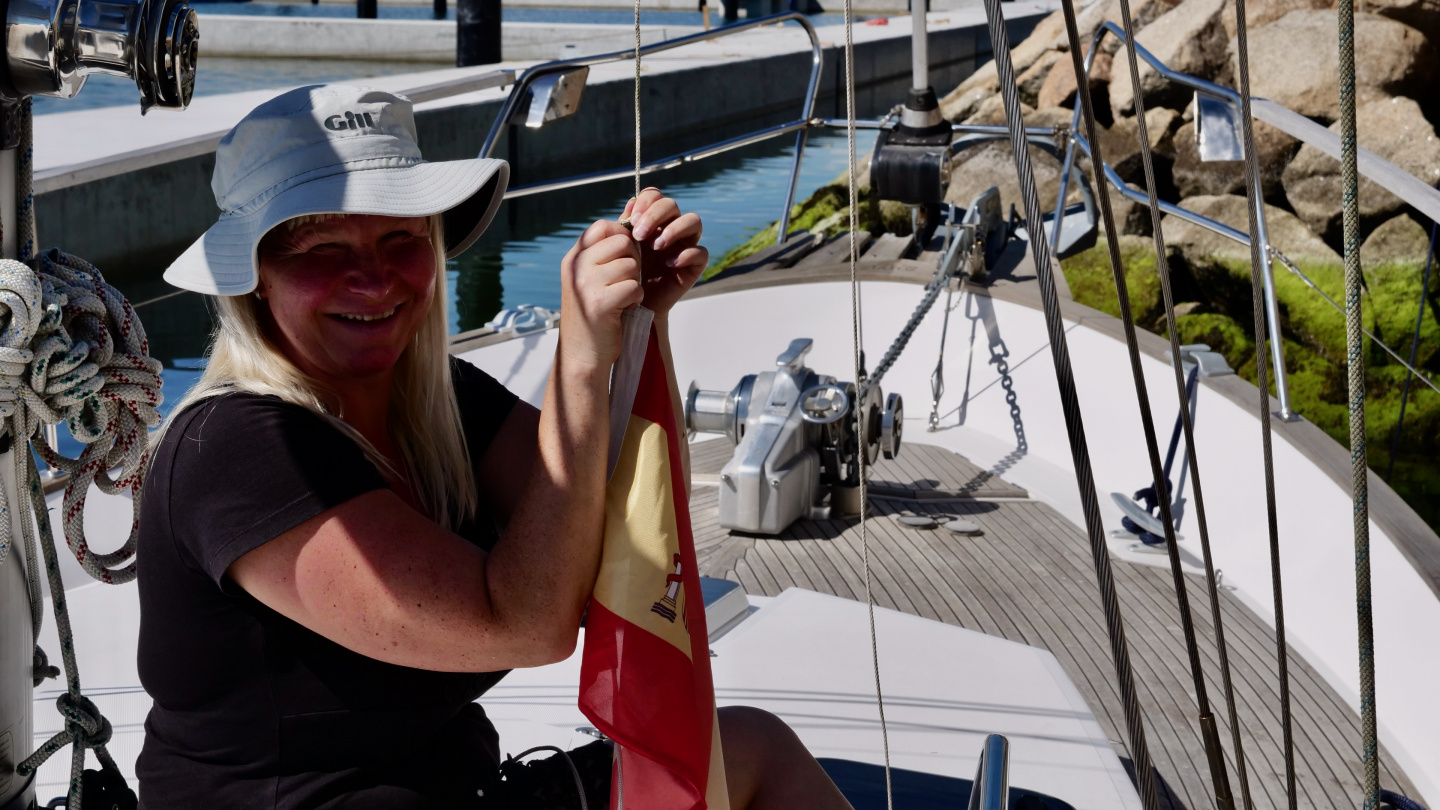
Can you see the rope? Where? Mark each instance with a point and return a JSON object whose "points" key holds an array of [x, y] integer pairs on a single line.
{"points": [[72, 350], [1414, 347], [1262, 363], [1355, 368], [1399, 802], [24, 183], [1080, 454], [637, 100], [75, 352], [862, 385]]}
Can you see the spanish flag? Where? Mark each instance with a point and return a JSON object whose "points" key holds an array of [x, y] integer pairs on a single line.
{"points": [[645, 671]]}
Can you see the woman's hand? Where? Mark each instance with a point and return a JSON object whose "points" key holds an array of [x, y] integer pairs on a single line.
{"points": [[672, 259], [599, 280]]}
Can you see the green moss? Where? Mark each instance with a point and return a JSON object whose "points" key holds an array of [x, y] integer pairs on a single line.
{"points": [[1221, 333], [1221, 315], [826, 211], [1093, 283]]}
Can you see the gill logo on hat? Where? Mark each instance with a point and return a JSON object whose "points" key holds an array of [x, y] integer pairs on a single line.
{"points": [[350, 120]]}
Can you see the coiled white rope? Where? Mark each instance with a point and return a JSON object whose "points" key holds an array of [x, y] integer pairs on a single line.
{"points": [[71, 350]]}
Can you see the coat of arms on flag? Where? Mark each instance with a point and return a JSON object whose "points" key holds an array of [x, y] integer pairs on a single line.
{"points": [[645, 670]]}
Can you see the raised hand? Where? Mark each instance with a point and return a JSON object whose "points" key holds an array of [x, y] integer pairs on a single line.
{"points": [[599, 279], [672, 258]]}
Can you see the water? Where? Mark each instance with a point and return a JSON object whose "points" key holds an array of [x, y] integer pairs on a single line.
{"points": [[518, 260], [228, 74], [736, 195]]}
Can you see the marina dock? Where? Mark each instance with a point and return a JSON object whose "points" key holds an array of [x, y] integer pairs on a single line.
{"points": [[130, 192]]}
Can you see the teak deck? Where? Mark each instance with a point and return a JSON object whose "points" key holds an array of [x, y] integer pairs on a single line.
{"points": [[1030, 578]]}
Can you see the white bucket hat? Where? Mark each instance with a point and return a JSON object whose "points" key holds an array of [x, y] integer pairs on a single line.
{"points": [[329, 149]]}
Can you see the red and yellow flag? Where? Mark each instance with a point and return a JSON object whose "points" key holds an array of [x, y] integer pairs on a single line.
{"points": [[645, 671]]}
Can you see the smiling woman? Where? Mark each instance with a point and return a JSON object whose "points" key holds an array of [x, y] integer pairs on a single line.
{"points": [[347, 537], [338, 299]]}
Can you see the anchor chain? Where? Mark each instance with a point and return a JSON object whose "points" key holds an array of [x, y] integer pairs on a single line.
{"points": [[939, 283]]}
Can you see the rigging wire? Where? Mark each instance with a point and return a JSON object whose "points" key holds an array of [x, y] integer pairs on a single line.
{"points": [[628, 222], [937, 377], [1355, 368], [858, 406], [1074, 423], [1210, 735], [1254, 209]]}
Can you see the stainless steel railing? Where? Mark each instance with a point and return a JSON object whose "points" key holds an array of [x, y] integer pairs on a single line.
{"points": [[1043, 136], [1272, 308], [800, 126], [1231, 97], [991, 790]]}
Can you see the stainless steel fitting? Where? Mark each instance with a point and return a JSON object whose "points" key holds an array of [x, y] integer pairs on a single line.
{"points": [[52, 45]]}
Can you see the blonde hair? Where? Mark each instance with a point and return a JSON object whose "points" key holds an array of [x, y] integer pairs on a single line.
{"points": [[424, 417]]}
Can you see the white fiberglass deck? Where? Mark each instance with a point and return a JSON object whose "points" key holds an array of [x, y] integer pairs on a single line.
{"points": [[806, 657], [1001, 411]]}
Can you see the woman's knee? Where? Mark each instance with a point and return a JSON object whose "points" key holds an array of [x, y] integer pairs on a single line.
{"points": [[755, 729], [758, 742], [767, 766]]}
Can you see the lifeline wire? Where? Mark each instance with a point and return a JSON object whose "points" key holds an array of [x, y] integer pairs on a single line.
{"points": [[1355, 366], [1414, 347], [858, 406], [1215, 754], [1254, 210], [1074, 423], [1298, 273]]}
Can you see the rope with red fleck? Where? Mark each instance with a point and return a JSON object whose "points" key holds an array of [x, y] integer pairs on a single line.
{"points": [[72, 350]]}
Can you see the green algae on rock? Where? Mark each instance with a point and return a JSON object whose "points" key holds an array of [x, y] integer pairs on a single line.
{"points": [[1218, 312]]}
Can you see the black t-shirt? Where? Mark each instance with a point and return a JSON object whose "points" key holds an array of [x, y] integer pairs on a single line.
{"points": [[251, 709]]}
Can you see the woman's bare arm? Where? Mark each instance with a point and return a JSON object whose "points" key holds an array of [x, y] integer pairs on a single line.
{"points": [[377, 577]]}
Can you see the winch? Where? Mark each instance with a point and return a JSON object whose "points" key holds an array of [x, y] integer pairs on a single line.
{"points": [[796, 451], [52, 45]]}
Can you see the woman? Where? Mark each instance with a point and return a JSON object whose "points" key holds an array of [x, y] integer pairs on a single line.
{"points": [[346, 536]]}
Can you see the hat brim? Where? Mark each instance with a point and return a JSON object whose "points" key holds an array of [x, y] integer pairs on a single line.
{"points": [[224, 260]]}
